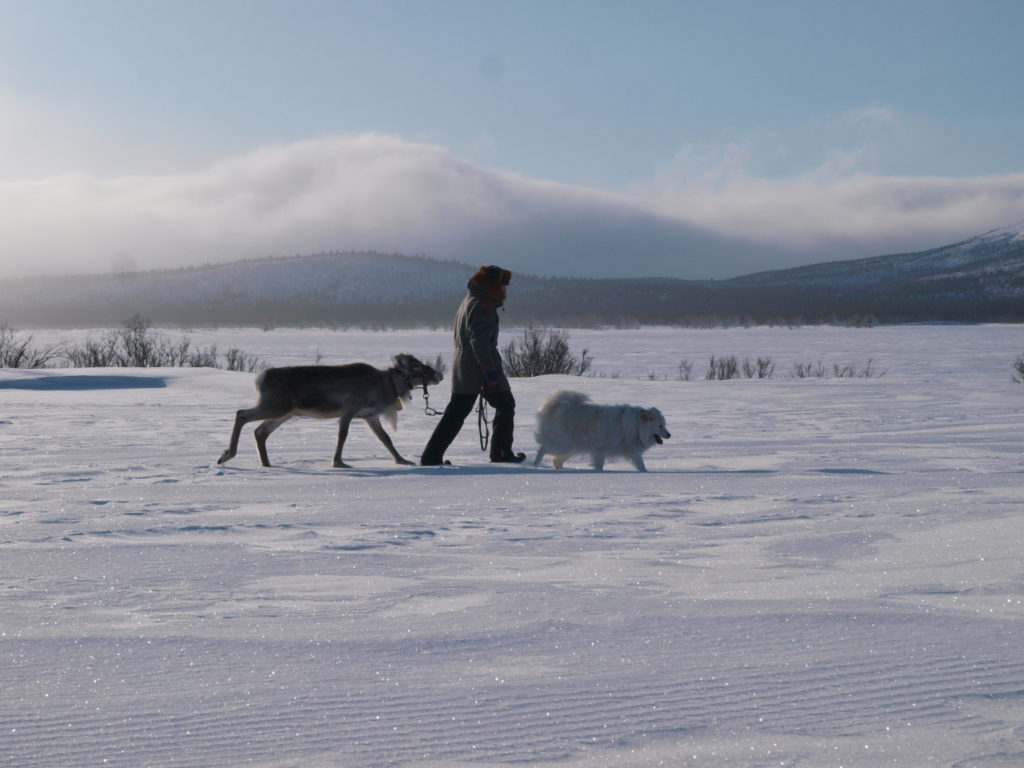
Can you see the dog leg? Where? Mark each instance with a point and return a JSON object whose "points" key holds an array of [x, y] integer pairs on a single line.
{"points": [[638, 462], [540, 455], [383, 436], [597, 461], [557, 461]]}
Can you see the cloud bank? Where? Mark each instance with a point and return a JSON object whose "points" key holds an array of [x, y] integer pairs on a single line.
{"points": [[840, 206], [374, 192]]}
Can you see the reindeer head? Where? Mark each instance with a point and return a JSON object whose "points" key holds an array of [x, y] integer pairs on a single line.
{"points": [[416, 373]]}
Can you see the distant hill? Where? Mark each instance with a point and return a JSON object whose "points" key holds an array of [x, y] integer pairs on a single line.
{"points": [[978, 280], [328, 288], [993, 261]]}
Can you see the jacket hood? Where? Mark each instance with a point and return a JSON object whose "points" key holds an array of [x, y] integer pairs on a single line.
{"points": [[492, 281]]}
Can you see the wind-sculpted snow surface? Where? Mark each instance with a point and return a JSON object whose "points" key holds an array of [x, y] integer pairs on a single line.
{"points": [[814, 572]]}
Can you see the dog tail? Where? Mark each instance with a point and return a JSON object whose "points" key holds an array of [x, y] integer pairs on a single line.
{"points": [[552, 414], [561, 399]]}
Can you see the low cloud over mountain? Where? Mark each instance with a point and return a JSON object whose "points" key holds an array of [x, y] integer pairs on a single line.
{"points": [[373, 192]]}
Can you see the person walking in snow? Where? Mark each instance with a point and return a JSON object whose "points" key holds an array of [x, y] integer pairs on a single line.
{"points": [[477, 370]]}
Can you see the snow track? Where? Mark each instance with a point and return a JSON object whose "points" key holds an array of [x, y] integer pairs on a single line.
{"points": [[817, 573]]}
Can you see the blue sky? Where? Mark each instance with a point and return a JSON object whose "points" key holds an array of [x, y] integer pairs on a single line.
{"points": [[807, 131]]}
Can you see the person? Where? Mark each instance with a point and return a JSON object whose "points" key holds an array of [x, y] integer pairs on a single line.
{"points": [[477, 370]]}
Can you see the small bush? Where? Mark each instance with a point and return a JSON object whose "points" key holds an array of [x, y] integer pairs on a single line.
{"points": [[134, 345], [685, 370], [207, 358], [809, 370], [542, 352], [1018, 367], [722, 368], [237, 360], [17, 352], [850, 371], [727, 367], [92, 354], [763, 368]]}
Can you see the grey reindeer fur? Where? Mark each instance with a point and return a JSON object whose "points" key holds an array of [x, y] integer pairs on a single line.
{"points": [[344, 392]]}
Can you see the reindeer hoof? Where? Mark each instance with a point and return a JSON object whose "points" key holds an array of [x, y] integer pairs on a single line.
{"points": [[227, 455], [338, 464]]}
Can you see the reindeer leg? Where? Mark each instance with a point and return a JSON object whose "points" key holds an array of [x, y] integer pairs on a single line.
{"points": [[383, 436], [242, 418], [263, 432], [343, 423]]}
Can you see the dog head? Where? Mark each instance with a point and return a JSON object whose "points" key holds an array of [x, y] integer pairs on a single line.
{"points": [[652, 427], [416, 373]]}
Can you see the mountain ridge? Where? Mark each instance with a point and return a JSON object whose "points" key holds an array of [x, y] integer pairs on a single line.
{"points": [[999, 251], [975, 280]]}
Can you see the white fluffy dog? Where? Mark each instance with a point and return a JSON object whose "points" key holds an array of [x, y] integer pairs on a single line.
{"points": [[569, 424]]}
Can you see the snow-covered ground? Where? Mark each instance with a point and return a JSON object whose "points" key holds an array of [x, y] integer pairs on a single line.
{"points": [[815, 572]]}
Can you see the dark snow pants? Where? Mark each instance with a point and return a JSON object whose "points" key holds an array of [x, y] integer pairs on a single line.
{"points": [[455, 415]]}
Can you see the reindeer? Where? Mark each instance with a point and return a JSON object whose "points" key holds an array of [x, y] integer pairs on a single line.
{"points": [[345, 392]]}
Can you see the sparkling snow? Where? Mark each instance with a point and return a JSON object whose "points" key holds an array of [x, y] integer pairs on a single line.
{"points": [[815, 572]]}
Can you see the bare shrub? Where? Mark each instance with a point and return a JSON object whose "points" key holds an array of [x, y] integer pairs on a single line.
{"points": [[237, 360], [92, 354], [542, 352], [722, 368], [685, 370], [204, 358], [849, 371], [853, 371], [135, 345], [19, 352], [727, 367], [762, 368], [809, 370], [1018, 367]]}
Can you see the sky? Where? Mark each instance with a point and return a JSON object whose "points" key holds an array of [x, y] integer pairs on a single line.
{"points": [[720, 137]]}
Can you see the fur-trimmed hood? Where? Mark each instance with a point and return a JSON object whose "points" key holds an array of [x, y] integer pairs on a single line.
{"points": [[492, 280]]}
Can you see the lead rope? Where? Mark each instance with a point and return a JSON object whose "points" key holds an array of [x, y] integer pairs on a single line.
{"points": [[482, 425], [482, 421], [426, 404]]}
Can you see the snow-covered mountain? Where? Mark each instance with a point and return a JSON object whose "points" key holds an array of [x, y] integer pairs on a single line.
{"points": [[992, 262], [981, 279]]}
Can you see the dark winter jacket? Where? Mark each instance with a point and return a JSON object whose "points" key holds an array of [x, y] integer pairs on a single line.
{"points": [[477, 362]]}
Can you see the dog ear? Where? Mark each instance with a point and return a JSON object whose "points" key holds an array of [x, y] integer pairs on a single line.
{"points": [[646, 416]]}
